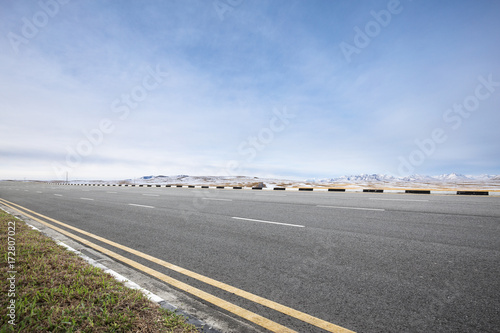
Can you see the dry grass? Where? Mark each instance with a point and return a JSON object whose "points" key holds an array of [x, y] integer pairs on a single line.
{"points": [[57, 291]]}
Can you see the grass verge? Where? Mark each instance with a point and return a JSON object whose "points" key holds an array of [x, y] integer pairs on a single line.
{"points": [[54, 290]]}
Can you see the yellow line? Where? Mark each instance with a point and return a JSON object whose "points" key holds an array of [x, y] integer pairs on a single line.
{"points": [[257, 299], [250, 316]]}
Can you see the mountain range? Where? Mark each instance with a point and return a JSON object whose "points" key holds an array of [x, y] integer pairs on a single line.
{"points": [[451, 177], [361, 178]]}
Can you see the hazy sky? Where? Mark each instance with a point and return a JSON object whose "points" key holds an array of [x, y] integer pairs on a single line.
{"points": [[121, 89]]}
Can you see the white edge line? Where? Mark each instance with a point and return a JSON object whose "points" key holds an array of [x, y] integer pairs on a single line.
{"points": [[130, 284], [271, 222], [357, 208], [131, 204], [117, 276], [32, 227]]}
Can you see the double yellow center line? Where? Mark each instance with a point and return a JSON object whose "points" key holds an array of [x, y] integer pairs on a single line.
{"points": [[243, 313]]}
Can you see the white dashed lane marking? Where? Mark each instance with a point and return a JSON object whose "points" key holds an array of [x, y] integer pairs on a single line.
{"points": [[398, 199], [137, 205], [217, 199], [355, 208], [270, 222]]}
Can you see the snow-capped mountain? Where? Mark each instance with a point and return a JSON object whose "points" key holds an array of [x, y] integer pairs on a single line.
{"points": [[207, 180], [355, 178], [485, 177], [412, 178], [417, 178], [452, 177], [366, 177]]}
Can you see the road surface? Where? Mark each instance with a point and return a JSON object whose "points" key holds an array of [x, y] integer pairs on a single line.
{"points": [[367, 262]]}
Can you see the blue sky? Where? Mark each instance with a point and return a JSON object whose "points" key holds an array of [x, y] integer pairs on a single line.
{"points": [[292, 89]]}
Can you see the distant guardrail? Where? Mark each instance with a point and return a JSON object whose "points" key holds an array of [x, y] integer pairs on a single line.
{"points": [[305, 189]]}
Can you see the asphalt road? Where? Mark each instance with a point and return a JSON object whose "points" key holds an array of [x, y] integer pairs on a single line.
{"points": [[364, 261]]}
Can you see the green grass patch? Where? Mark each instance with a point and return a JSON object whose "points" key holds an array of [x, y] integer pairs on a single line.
{"points": [[57, 291]]}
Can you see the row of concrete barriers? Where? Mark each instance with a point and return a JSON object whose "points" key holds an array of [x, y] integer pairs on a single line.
{"points": [[369, 190]]}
